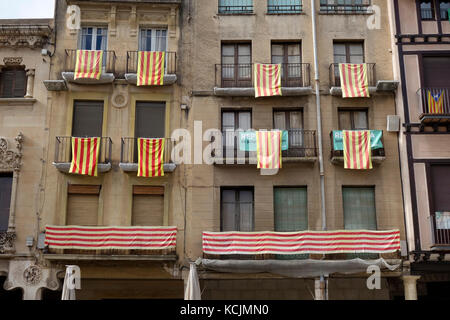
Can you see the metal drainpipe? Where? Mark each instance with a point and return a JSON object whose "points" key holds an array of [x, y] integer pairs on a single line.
{"points": [[323, 282]]}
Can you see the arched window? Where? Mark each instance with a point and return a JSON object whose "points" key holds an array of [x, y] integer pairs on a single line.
{"points": [[13, 82]]}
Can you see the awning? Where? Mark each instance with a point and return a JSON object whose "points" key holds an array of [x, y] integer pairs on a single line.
{"points": [[296, 268]]}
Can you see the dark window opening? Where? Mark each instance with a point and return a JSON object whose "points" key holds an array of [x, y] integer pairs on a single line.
{"points": [[237, 209], [13, 83]]}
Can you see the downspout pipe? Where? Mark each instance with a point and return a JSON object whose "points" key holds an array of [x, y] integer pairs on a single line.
{"points": [[323, 283]]}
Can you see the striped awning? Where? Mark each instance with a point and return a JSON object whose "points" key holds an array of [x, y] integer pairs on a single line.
{"points": [[103, 238], [315, 242]]}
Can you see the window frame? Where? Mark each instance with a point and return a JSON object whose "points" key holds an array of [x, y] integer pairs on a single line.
{"points": [[153, 37], [433, 10], [94, 37], [16, 70], [292, 11], [10, 177], [336, 8], [440, 12], [237, 191], [235, 12], [347, 49], [236, 66], [352, 117]]}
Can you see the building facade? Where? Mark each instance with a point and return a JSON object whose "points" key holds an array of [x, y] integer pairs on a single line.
{"points": [[422, 50], [208, 96]]}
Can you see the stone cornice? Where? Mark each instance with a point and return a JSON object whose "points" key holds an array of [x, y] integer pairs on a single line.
{"points": [[24, 35]]}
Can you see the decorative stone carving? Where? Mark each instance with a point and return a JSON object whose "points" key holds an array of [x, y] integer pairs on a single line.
{"points": [[112, 22], [119, 99], [10, 160], [12, 61], [24, 36], [32, 275], [133, 22], [7, 242]]}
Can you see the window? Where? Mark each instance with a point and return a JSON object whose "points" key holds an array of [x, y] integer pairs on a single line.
{"points": [[444, 7], [439, 174], [232, 121], [82, 205], [359, 212], [235, 6], [5, 200], [153, 40], [348, 52], [148, 206], [353, 120], [344, 6], [236, 65], [87, 119], [13, 83], [93, 38], [291, 120], [426, 10], [150, 122], [237, 209], [284, 6], [435, 71], [289, 56]]}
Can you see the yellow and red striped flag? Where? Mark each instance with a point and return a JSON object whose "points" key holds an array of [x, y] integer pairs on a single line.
{"points": [[151, 157], [85, 156], [357, 149], [89, 64], [354, 81], [267, 80], [268, 149], [436, 102], [150, 68]]}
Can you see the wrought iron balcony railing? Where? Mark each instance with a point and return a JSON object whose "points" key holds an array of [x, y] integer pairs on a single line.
{"points": [[356, 7], [301, 144], [129, 150], [434, 101], [283, 6], [241, 75], [340, 153], [63, 150], [335, 77], [170, 62], [440, 229], [109, 61]]}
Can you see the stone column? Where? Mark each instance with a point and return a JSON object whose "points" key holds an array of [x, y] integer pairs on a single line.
{"points": [[321, 289], [30, 83], [410, 284]]}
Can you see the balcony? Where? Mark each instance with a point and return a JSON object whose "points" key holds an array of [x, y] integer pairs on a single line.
{"points": [[301, 146], [440, 231], [170, 76], [375, 86], [357, 8], [129, 155], [284, 7], [258, 245], [110, 243], [63, 154], [108, 68], [337, 152], [430, 115], [235, 7], [237, 80]]}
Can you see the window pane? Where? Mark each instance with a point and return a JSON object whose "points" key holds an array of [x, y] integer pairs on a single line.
{"points": [[296, 120], [444, 6], [339, 49], [228, 50], [360, 119], [150, 120], [345, 122], [246, 210], [279, 119], [294, 50], [356, 49], [5, 200], [245, 119], [228, 120], [359, 208]]}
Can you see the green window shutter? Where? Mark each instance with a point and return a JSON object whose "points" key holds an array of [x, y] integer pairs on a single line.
{"points": [[291, 213], [359, 213]]}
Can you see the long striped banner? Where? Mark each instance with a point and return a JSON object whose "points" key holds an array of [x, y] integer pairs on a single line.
{"points": [[315, 242], [267, 80], [436, 102], [85, 156], [97, 238], [151, 157], [89, 64], [354, 81], [268, 149], [357, 149], [151, 68]]}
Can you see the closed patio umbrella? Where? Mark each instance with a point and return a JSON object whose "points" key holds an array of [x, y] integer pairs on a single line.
{"points": [[192, 291]]}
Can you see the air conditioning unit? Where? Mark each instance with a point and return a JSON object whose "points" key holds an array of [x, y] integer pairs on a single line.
{"points": [[393, 123]]}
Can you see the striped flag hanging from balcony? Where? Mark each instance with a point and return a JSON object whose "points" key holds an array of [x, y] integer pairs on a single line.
{"points": [[85, 156], [150, 68], [315, 242], [354, 83], [267, 80], [151, 157], [436, 102], [89, 64], [357, 150], [268, 149], [97, 238]]}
